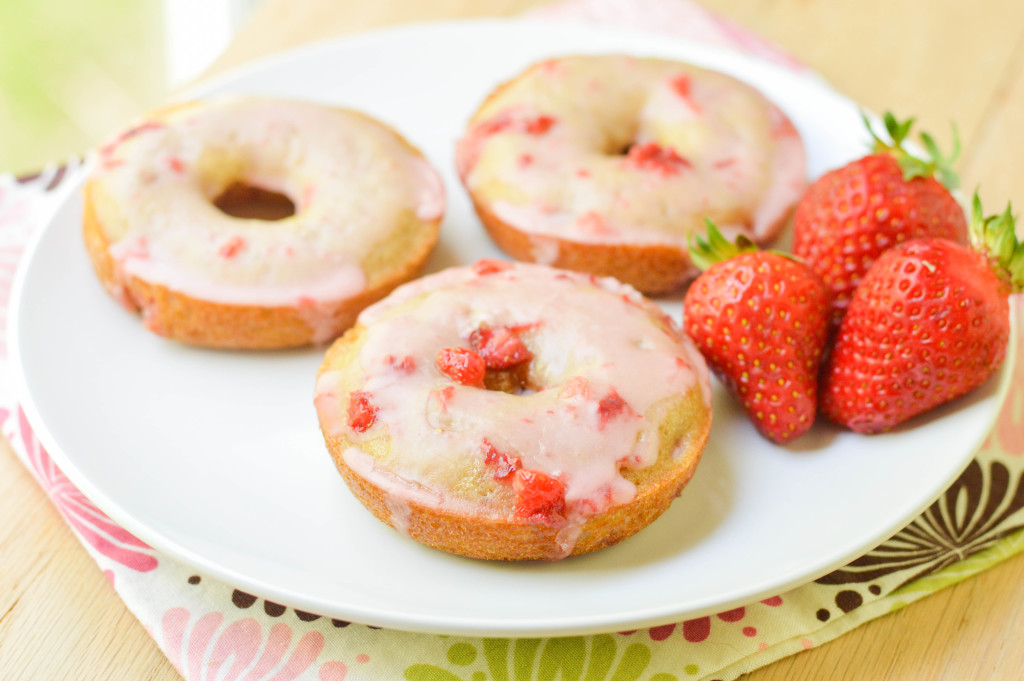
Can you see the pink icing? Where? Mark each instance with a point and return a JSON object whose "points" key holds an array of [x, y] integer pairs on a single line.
{"points": [[344, 282], [580, 422], [158, 180], [320, 316], [652, 157], [544, 250], [231, 246], [705, 145], [430, 198], [787, 184]]}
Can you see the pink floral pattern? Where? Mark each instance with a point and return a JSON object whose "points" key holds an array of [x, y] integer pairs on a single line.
{"points": [[89, 522], [9, 255], [1008, 434], [210, 649], [699, 629]]}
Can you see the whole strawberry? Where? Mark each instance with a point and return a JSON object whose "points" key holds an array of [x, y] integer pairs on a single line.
{"points": [[760, 319], [929, 322], [851, 215]]}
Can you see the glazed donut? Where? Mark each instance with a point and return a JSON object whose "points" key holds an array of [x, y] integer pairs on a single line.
{"points": [[359, 210], [607, 164], [514, 411]]}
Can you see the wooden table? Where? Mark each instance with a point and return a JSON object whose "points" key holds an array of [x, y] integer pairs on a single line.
{"points": [[944, 60]]}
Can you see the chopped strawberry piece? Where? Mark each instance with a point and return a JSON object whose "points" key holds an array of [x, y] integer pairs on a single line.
{"points": [[598, 502], [231, 247], [361, 412], [682, 85], [577, 386], [406, 365], [444, 397], [109, 148], [503, 464], [539, 496], [652, 157], [490, 266], [549, 66], [610, 406], [462, 365], [519, 328], [176, 164], [539, 125], [594, 223], [496, 124], [500, 347]]}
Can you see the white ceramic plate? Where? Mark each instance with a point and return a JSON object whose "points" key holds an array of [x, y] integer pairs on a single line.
{"points": [[215, 457]]}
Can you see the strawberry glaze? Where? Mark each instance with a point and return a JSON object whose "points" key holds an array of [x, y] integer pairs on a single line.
{"points": [[671, 143], [602, 361], [157, 183]]}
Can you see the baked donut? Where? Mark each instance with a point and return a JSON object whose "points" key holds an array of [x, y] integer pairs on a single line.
{"points": [[514, 411], [170, 227], [607, 164]]}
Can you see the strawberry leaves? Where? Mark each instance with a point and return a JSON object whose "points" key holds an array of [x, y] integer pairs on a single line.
{"points": [[996, 237], [714, 248], [936, 165]]}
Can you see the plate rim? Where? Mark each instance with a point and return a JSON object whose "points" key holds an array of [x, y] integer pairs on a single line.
{"points": [[718, 52], [463, 625]]}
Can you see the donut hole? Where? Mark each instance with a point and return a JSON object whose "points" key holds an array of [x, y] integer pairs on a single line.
{"points": [[514, 380], [622, 149], [251, 202], [618, 142]]}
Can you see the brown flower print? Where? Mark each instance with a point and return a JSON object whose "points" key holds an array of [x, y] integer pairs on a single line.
{"points": [[242, 600], [969, 517]]}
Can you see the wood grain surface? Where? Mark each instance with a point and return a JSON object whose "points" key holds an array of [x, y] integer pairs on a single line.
{"points": [[943, 60]]}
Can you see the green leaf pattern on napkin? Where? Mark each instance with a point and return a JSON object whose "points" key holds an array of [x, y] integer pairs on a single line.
{"points": [[594, 658]]}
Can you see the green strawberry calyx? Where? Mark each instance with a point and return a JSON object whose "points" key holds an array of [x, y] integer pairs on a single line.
{"points": [[995, 236], [937, 164], [715, 248]]}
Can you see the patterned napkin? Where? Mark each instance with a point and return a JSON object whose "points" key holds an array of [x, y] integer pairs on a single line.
{"points": [[211, 631]]}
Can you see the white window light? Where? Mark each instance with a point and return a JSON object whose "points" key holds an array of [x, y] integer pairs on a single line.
{"points": [[197, 31]]}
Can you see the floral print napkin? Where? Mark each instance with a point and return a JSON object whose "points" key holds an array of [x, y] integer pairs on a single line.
{"points": [[211, 631]]}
